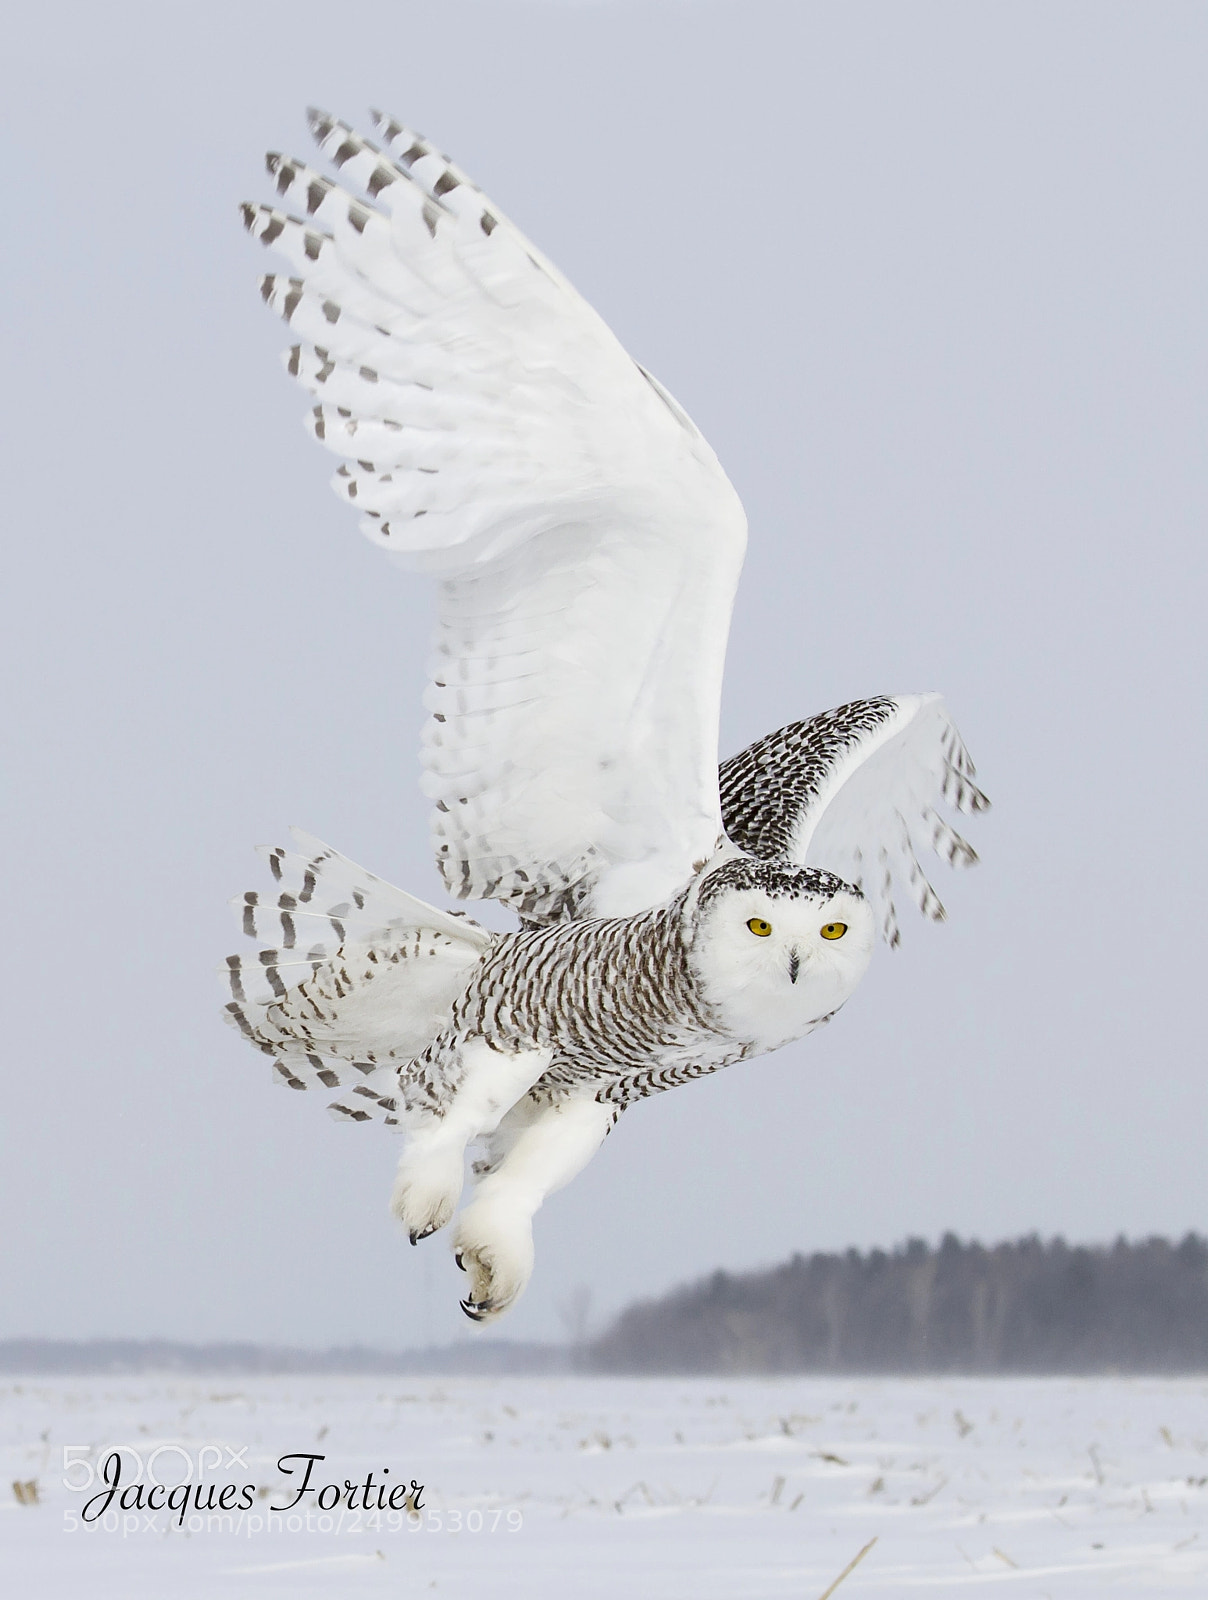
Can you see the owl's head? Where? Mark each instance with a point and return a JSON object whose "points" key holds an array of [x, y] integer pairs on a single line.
{"points": [[777, 948]]}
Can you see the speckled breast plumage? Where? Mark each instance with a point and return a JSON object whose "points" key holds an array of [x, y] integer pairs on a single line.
{"points": [[615, 998]]}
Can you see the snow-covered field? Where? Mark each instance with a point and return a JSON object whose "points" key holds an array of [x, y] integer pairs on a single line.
{"points": [[575, 1487]]}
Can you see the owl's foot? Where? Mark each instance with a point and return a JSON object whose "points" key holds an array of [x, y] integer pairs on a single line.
{"points": [[494, 1247], [426, 1188]]}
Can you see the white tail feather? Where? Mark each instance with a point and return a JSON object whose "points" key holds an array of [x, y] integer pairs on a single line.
{"points": [[358, 979]]}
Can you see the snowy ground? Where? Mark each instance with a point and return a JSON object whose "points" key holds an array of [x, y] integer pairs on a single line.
{"points": [[574, 1487]]}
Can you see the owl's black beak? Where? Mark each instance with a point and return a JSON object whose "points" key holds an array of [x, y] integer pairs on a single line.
{"points": [[794, 965]]}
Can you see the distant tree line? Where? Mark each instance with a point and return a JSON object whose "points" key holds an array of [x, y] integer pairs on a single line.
{"points": [[49, 1357], [1026, 1307]]}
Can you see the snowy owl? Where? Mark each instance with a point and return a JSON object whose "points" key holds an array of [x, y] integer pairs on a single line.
{"points": [[586, 546]]}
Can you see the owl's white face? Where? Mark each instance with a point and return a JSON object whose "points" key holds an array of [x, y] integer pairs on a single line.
{"points": [[773, 965]]}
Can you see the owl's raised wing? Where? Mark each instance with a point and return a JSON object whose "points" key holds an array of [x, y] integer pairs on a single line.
{"points": [[586, 542], [855, 791]]}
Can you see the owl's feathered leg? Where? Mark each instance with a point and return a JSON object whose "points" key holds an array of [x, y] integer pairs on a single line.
{"points": [[538, 1148], [471, 1086]]}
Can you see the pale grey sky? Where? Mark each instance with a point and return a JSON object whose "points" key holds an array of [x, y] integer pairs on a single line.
{"points": [[932, 278]]}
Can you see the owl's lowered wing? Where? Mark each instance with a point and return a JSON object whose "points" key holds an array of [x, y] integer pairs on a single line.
{"points": [[855, 790], [586, 542]]}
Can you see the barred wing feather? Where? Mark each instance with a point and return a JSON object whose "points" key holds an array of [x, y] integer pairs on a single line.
{"points": [[856, 790], [351, 978], [586, 542]]}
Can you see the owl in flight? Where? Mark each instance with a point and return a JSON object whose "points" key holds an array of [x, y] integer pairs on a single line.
{"points": [[586, 546]]}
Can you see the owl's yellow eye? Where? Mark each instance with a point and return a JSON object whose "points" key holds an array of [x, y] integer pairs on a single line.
{"points": [[834, 930], [759, 927]]}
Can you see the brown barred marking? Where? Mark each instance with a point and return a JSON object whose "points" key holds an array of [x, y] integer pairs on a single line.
{"points": [[777, 879], [766, 788], [610, 996]]}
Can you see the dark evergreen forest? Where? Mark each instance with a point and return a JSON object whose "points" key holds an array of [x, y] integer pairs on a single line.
{"points": [[1025, 1307]]}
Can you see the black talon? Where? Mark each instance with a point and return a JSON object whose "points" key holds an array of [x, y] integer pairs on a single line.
{"points": [[423, 1233], [458, 1258]]}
